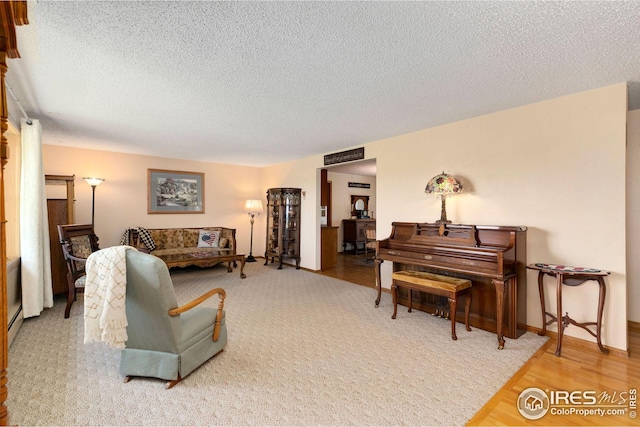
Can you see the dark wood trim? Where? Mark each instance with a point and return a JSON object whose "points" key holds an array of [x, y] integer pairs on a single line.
{"points": [[12, 13]]}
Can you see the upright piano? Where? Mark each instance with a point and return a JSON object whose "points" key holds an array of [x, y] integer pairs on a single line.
{"points": [[492, 257]]}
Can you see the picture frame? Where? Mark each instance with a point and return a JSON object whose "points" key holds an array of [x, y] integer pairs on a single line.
{"points": [[175, 192]]}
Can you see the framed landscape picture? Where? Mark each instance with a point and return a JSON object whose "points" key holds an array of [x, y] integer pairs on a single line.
{"points": [[174, 192]]}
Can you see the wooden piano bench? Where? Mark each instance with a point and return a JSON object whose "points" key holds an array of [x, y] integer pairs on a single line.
{"points": [[450, 287]]}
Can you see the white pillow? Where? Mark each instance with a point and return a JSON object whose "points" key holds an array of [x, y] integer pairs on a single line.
{"points": [[208, 238]]}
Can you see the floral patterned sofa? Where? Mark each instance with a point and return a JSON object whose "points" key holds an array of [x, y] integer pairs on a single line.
{"points": [[182, 247]]}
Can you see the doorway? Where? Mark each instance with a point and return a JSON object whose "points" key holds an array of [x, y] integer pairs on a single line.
{"points": [[349, 183]]}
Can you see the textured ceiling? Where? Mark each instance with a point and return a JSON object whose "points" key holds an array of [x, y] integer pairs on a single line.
{"points": [[258, 83]]}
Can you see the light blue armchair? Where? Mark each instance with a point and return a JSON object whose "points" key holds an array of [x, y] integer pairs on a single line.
{"points": [[166, 341]]}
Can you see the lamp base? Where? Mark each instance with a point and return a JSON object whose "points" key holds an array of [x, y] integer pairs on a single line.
{"points": [[250, 258]]}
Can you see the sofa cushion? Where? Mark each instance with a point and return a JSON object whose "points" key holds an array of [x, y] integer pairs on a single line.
{"points": [[191, 237], [228, 234], [168, 238], [208, 238]]}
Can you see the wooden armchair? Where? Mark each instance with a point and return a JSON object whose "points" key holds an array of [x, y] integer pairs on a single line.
{"points": [[78, 242]]}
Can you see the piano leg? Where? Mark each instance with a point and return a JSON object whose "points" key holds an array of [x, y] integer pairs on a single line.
{"points": [[378, 282], [394, 296], [466, 311], [453, 306], [500, 290]]}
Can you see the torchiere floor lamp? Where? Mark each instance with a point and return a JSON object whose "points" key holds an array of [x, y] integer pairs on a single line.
{"points": [[93, 182], [253, 208]]}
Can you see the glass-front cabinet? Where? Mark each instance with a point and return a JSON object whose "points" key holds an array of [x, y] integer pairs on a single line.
{"points": [[283, 225]]}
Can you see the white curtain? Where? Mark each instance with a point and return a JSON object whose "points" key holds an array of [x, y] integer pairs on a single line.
{"points": [[37, 292]]}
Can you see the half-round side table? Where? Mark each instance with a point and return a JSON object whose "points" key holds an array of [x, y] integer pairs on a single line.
{"points": [[570, 276]]}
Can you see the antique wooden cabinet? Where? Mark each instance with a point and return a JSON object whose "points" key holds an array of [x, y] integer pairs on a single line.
{"points": [[353, 232], [283, 225]]}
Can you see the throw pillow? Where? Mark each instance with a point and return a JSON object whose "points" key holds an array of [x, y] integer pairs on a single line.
{"points": [[208, 239], [223, 242]]}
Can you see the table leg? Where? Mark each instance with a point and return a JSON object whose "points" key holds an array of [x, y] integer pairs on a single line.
{"points": [[559, 319], [603, 293], [242, 261], [544, 310], [378, 282], [500, 290]]}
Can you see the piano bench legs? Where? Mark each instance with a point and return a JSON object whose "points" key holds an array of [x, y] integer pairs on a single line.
{"points": [[435, 284]]}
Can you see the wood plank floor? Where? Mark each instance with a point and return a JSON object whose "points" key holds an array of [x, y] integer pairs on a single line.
{"points": [[578, 368], [354, 269]]}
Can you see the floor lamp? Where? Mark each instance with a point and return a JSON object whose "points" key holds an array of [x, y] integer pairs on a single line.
{"points": [[253, 208], [93, 182]]}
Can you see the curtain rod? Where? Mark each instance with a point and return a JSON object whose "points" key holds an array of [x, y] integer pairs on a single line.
{"points": [[24, 113]]}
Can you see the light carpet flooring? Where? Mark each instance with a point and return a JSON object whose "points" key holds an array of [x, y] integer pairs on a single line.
{"points": [[304, 349]]}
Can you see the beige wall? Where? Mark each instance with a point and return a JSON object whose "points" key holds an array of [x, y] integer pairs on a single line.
{"points": [[121, 201], [541, 166], [303, 174], [549, 166], [633, 215], [557, 167]]}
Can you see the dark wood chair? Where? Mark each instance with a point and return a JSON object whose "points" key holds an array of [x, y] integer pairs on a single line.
{"points": [[370, 241], [78, 242]]}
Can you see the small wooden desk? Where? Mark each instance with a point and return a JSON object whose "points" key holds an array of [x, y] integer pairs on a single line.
{"points": [[570, 276]]}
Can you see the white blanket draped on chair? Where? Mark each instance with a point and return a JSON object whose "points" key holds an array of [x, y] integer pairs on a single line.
{"points": [[105, 318]]}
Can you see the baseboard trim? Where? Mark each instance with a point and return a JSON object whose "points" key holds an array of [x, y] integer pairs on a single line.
{"points": [[633, 326], [579, 342]]}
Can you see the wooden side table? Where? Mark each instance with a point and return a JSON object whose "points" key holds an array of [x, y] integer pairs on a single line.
{"points": [[570, 276]]}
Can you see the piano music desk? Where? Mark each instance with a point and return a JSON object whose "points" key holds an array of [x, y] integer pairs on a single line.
{"points": [[570, 276], [445, 286]]}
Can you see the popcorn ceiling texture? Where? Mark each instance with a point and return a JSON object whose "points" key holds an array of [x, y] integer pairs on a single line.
{"points": [[257, 83]]}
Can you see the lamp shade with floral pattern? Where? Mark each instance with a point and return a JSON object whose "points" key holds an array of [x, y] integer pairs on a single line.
{"points": [[443, 184]]}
